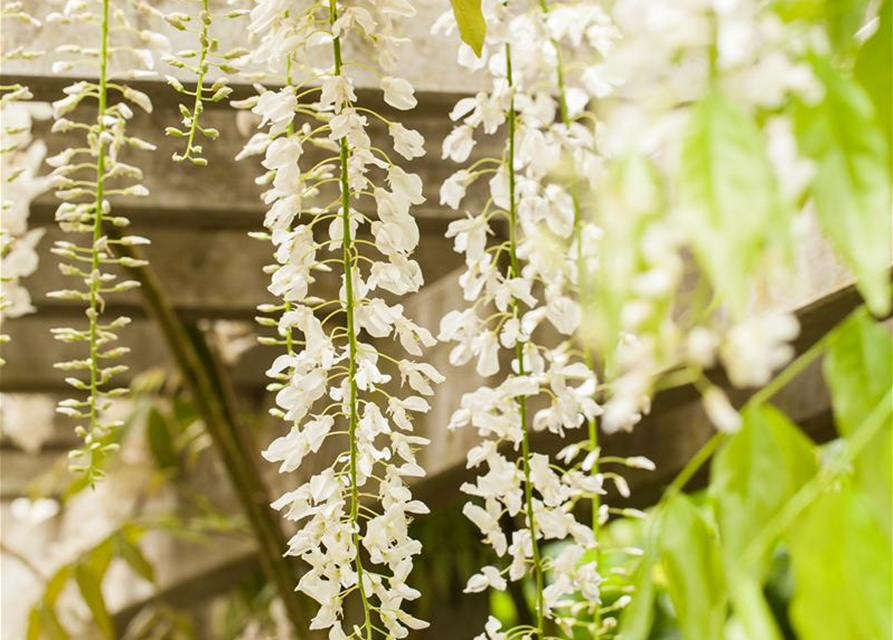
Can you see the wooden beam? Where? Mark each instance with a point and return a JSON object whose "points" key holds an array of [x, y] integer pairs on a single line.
{"points": [[224, 194], [670, 439], [670, 435], [428, 62], [209, 273]]}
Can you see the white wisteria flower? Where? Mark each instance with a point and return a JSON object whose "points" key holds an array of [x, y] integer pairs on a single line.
{"points": [[85, 178], [334, 377], [534, 99]]}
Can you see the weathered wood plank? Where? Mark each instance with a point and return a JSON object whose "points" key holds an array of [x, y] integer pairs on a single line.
{"points": [[209, 273], [32, 352], [429, 62], [670, 439], [676, 428], [224, 194]]}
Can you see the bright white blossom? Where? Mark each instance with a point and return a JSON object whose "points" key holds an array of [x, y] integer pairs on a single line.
{"points": [[20, 160], [353, 514], [756, 347], [512, 307]]}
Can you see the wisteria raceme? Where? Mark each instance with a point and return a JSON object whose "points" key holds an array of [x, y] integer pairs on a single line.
{"points": [[20, 160], [205, 62], [544, 109], [19, 164], [354, 513], [85, 177], [744, 59]]}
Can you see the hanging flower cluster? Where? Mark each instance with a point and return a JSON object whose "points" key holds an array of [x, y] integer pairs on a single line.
{"points": [[354, 514], [204, 62], [694, 74], [544, 68], [20, 160], [85, 177]]}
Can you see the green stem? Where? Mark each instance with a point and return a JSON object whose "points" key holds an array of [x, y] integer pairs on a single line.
{"points": [[519, 354], [800, 501], [583, 289], [198, 107], [347, 261], [695, 463], [213, 398], [93, 314], [760, 397]]}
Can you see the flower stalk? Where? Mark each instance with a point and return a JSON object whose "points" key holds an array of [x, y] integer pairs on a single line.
{"points": [[98, 205], [208, 59], [354, 538], [347, 249], [519, 351], [86, 210], [583, 293]]}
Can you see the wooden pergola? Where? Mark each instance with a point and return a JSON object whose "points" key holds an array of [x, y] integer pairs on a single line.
{"points": [[206, 266]]}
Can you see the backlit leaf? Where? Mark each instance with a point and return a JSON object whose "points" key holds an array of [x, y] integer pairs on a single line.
{"points": [[160, 440], [851, 187], [842, 568], [859, 374], [133, 556], [754, 475], [691, 561], [472, 27], [729, 201], [638, 616], [874, 71], [91, 590]]}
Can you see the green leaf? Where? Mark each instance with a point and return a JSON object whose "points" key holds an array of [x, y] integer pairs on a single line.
{"points": [[133, 556], [859, 374], [78, 484], [56, 584], [841, 19], [185, 412], [751, 479], [91, 591], [50, 626], [638, 617], [851, 187], [752, 610], [691, 561], [791, 10], [874, 71], [34, 630], [160, 440], [842, 567], [753, 476], [100, 557], [472, 27], [729, 202]]}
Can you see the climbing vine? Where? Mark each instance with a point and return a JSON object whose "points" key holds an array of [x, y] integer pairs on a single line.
{"points": [[637, 180]]}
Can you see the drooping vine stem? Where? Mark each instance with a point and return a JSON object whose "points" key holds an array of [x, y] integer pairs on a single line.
{"points": [[779, 382], [519, 353], [93, 313], [583, 288], [201, 70], [213, 401], [208, 58], [347, 249]]}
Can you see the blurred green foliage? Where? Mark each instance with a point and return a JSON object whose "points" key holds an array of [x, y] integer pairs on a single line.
{"points": [[790, 540]]}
